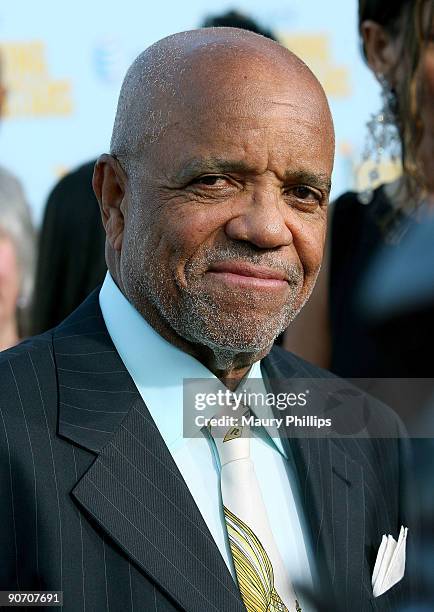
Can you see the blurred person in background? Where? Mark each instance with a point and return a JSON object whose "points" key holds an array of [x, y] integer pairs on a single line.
{"points": [[17, 254], [71, 261], [333, 331], [235, 19]]}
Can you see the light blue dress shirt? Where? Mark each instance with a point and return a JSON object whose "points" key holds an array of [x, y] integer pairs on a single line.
{"points": [[158, 369]]}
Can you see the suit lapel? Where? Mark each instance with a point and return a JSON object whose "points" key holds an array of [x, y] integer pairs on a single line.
{"points": [[136, 493], [332, 492], [134, 490], [333, 497]]}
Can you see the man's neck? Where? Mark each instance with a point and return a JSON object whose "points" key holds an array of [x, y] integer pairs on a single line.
{"points": [[227, 365]]}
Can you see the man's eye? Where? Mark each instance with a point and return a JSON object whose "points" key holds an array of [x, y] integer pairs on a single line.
{"points": [[304, 193], [210, 180]]}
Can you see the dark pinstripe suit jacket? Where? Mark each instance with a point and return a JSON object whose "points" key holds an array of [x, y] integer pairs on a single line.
{"points": [[91, 502]]}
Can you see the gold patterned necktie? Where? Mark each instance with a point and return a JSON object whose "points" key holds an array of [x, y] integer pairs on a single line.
{"points": [[262, 578]]}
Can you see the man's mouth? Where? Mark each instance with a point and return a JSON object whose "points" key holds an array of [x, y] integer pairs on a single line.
{"points": [[249, 275]]}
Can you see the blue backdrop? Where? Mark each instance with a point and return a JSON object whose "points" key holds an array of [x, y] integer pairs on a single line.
{"points": [[64, 63]]}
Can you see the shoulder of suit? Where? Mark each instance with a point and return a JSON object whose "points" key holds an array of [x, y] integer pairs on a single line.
{"points": [[303, 368], [25, 356], [28, 397], [382, 418]]}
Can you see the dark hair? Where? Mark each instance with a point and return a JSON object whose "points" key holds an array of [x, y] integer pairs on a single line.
{"points": [[384, 12], [406, 16], [234, 19], [71, 261]]}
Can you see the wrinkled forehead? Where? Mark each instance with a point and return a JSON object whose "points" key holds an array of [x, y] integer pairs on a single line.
{"points": [[223, 94], [219, 90]]}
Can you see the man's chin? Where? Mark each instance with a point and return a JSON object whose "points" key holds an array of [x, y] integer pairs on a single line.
{"points": [[234, 327], [233, 340], [242, 301]]}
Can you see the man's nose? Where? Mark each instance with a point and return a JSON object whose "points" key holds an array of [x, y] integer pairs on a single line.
{"points": [[261, 221]]}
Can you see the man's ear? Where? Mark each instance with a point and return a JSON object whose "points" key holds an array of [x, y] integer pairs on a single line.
{"points": [[109, 184], [380, 48]]}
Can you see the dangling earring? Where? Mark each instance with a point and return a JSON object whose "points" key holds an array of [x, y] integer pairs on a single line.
{"points": [[382, 135]]}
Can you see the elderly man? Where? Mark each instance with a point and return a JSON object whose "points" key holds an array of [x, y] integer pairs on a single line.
{"points": [[214, 202]]}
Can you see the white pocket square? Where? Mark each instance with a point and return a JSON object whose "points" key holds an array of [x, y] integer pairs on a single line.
{"points": [[390, 563]]}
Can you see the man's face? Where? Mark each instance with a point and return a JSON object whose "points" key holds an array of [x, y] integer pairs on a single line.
{"points": [[225, 227]]}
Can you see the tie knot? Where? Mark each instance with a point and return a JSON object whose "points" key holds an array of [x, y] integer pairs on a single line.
{"points": [[232, 443]]}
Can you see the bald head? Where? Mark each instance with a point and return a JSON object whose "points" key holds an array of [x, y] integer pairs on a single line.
{"points": [[196, 68]]}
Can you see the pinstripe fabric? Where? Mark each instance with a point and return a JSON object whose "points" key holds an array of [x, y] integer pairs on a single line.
{"points": [[93, 504], [353, 493]]}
